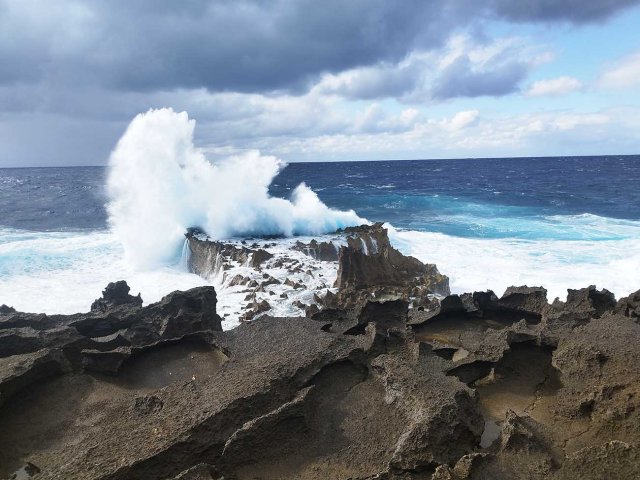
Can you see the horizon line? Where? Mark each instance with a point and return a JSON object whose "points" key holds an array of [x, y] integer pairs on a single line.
{"points": [[519, 157]]}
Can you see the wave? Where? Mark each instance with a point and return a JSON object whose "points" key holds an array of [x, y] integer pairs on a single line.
{"points": [[478, 264], [541, 227], [160, 184], [464, 218], [63, 272]]}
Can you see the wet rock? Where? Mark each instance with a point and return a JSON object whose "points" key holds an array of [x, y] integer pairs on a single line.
{"points": [[258, 257], [239, 280], [293, 284], [389, 268], [370, 268], [254, 309], [208, 258], [269, 280], [323, 251], [299, 304]]}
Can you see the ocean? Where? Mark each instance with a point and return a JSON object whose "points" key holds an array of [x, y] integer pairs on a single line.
{"points": [[487, 223]]}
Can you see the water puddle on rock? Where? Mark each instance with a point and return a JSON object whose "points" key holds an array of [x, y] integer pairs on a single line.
{"points": [[490, 434], [460, 354], [162, 366], [525, 382]]}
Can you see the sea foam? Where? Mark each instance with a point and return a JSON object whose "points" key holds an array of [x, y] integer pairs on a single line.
{"points": [[478, 264], [160, 184]]}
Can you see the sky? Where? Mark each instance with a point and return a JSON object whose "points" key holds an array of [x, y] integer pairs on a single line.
{"points": [[330, 80]]}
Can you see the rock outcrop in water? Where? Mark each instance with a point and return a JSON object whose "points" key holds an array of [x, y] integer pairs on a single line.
{"points": [[376, 383], [367, 266], [208, 258]]}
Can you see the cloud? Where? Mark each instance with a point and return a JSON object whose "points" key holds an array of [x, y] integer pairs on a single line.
{"points": [[542, 133], [625, 74], [493, 78], [379, 81], [554, 87], [575, 11], [463, 67], [570, 121], [277, 74], [375, 119], [245, 45], [461, 120]]}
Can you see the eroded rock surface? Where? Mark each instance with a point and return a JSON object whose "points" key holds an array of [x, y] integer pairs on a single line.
{"points": [[357, 265]]}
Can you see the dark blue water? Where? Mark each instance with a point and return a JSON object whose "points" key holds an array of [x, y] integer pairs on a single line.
{"points": [[468, 198], [45, 199], [414, 194]]}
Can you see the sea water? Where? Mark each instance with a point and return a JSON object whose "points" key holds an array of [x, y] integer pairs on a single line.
{"points": [[564, 222]]}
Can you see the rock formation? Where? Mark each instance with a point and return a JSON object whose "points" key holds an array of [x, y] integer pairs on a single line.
{"points": [[367, 265]]}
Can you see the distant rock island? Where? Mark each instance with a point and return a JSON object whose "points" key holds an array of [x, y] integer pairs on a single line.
{"points": [[383, 375]]}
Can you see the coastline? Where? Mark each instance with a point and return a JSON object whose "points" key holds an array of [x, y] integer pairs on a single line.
{"points": [[384, 375]]}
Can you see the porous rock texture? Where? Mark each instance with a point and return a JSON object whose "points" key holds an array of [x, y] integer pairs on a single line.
{"points": [[469, 386]]}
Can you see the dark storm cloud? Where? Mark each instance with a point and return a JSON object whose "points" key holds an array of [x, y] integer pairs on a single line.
{"points": [[242, 45], [577, 11], [462, 79], [245, 45]]}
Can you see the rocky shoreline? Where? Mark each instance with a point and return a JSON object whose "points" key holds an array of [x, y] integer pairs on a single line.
{"points": [[383, 374]]}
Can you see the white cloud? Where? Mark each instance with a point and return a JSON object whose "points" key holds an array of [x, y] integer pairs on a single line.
{"points": [[625, 74], [554, 87], [463, 135], [460, 120], [375, 118], [570, 121]]}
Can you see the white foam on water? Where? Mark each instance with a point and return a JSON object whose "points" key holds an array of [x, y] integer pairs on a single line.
{"points": [[474, 264], [64, 272]]}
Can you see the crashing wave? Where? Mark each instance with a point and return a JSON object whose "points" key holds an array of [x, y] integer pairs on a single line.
{"points": [[159, 184]]}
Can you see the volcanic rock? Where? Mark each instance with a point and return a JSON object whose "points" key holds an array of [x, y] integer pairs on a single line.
{"points": [[116, 294], [630, 306], [324, 251], [207, 257]]}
